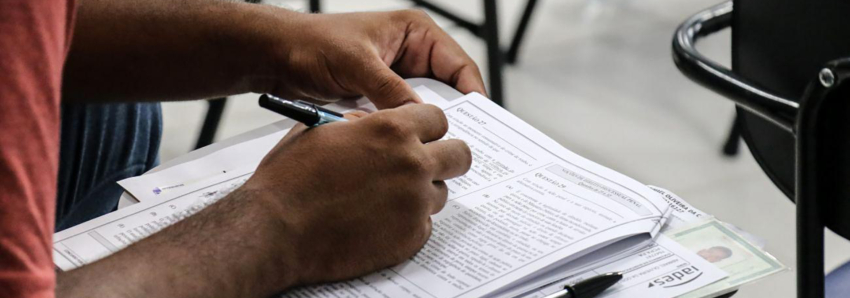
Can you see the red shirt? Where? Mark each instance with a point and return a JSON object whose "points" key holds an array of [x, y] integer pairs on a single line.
{"points": [[34, 40]]}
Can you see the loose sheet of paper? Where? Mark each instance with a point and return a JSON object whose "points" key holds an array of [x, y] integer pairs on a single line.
{"points": [[176, 179], [526, 206], [102, 236]]}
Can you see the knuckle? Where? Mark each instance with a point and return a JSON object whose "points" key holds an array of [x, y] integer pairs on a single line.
{"points": [[415, 14], [388, 85], [425, 232], [442, 195], [411, 205], [434, 117], [357, 114], [417, 164], [423, 15], [467, 153], [474, 66], [390, 127], [442, 120]]}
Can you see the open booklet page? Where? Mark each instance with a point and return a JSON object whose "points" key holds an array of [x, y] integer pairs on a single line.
{"points": [[657, 267], [527, 205]]}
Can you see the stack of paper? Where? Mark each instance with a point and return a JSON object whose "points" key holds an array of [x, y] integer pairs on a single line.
{"points": [[529, 217]]}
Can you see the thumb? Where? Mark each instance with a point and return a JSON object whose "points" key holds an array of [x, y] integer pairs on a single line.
{"points": [[385, 88]]}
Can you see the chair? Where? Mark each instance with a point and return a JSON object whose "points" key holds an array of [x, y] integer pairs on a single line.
{"points": [[790, 86], [215, 109], [733, 140]]}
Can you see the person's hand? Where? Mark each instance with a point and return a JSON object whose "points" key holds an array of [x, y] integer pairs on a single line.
{"points": [[354, 197], [342, 55]]}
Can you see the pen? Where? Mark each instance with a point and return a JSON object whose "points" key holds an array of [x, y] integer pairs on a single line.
{"points": [[588, 288], [301, 111]]}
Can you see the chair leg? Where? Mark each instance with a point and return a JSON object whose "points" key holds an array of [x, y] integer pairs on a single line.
{"points": [[733, 142], [211, 121], [315, 6], [494, 51], [513, 51], [816, 184]]}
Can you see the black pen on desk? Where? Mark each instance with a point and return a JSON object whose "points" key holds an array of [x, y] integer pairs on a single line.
{"points": [[301, 111], [588, 288]]}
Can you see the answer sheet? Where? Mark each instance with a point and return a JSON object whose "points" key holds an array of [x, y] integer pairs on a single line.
{"points": [[526, 205]]}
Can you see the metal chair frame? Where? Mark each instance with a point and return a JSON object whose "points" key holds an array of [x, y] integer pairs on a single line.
{"points": [[813, 122]]}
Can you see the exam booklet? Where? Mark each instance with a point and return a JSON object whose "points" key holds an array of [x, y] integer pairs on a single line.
{"points": [[527, 212]]}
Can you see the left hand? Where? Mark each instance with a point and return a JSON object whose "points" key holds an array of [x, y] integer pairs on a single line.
{"points": [[343, 55]]}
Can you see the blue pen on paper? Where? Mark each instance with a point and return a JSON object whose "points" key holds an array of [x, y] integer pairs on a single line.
{"points": [[301, 111]]}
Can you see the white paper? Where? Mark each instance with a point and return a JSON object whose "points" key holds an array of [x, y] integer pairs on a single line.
{"points": [[662, 269], [528, 205], [102, 236], [481, 242], [620, 256], [175, 179], [683, 213]]}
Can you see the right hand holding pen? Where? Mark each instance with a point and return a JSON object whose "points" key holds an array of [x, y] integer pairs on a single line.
{"points": [[354, 197]]}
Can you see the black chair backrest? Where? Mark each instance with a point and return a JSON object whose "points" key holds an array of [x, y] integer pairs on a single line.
{"points": [[791, 81], [781, 45]]}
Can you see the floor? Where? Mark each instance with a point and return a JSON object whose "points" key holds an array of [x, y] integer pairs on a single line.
{"points": [[596, 75]]}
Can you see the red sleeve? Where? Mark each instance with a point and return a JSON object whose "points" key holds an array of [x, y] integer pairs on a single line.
{"points": [[34, 35]]}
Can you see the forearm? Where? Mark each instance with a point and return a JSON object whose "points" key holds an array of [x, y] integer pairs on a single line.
{"points": [[152, 50], [226, 250]]}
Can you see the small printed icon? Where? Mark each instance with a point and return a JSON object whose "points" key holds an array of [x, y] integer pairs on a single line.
{"points": [[157, 191]]}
